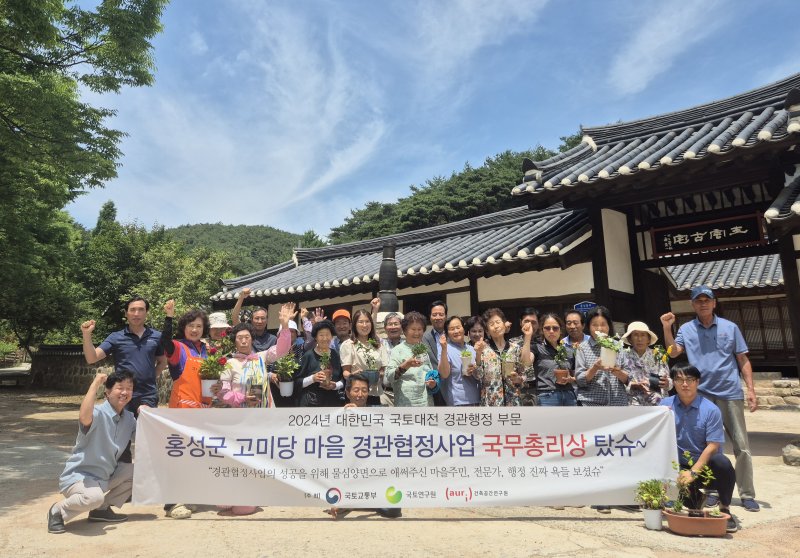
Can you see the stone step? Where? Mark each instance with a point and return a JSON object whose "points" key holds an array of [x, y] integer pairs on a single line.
{"points": [[779, 394]]}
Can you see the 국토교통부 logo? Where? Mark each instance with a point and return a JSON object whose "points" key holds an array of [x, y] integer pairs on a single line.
{"points": [[394, 496], [333, 495]]}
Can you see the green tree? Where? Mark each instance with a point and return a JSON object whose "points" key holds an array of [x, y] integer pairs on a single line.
{"points": [[310, 239], [169, 271], [53, 146]]}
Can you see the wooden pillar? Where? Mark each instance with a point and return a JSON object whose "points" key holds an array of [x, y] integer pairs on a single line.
{"points": [[474, 301], [599, 264], [791, 282]]}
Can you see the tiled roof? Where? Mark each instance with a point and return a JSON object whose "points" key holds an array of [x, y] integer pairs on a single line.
{"points": [[756, 271], [756, 118], [786, 206], [497, 239]]}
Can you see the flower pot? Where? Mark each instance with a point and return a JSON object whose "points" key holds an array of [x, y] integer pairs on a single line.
{"points": [[466, 361], [706, 526], [287, 388], [608, 357], [372, 375], [652, 519], [328, 373], [206, 387], [561, 375], [508, 368]]}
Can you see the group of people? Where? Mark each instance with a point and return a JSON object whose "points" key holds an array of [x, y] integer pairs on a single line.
{"points": [[456, 362]]}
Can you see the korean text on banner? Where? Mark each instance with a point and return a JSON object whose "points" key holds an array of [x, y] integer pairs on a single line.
{"points": [[384, 457]]}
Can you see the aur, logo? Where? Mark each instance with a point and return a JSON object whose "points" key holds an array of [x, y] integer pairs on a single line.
{"points": [[394, 496], [333, 495]]}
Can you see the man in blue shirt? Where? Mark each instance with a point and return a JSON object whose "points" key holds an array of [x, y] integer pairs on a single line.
{"points": [[698, 428], [94, 477], [717, 348], [136, 348]]}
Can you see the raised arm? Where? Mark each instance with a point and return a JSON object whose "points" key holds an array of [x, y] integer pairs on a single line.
{"points": [[284, 344], [86, 414], [667, 321], [243, 294], [444, 362], [91, 353]]}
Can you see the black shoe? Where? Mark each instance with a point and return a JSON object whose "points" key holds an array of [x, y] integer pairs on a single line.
{"points": [[731, 526], [390, 513], [107, 515], [55, 523], [712, 501]]}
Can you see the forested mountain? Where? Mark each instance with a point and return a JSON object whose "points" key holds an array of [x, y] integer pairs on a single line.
{"points": [[468, 193], [249, 248]]}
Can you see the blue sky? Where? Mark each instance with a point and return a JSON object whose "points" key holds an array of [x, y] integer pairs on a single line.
{"points": [[292, 113]]}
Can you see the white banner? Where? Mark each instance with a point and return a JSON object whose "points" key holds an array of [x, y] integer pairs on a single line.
{"points": [[403, 457]]}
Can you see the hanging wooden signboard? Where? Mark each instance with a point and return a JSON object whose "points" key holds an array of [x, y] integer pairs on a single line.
{"points": [[730, 232]]}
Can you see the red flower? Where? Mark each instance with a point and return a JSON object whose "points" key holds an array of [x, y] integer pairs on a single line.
{"points": [[224, 333], [222, 361], [212, 351]]}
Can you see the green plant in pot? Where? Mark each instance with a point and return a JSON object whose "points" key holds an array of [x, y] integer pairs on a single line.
{"points": [[367, 352], [652, 494], [285, 367], [693, 500]]}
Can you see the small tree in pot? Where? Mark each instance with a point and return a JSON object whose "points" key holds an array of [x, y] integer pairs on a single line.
{"points": [[285, 367]]}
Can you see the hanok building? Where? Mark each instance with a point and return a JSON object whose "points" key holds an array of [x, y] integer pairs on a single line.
{"points": [[633, 217]]}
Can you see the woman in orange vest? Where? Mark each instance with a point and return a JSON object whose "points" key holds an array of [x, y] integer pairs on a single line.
{"points": [[185, 354]]}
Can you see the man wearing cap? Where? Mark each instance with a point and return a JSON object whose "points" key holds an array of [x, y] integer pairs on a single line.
{"points": [[717, 348], [263, 339], [342, 325]]}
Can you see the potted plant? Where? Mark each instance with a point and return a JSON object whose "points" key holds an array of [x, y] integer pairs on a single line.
{"points": [[285, 367], [695, 521], [325, 365], [419, 350], [508, 363], [367, 351], [652, 494], [562, 361], [609, 349], [466, 361], [211, 369]]}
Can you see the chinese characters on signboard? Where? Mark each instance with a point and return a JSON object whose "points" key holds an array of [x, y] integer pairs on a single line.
{"points": [[743, 230]]}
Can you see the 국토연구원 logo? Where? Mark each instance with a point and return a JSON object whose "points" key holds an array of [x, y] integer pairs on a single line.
{"points": [[394, 496], [333, 495]]}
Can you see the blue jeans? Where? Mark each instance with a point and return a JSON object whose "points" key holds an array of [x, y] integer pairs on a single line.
{"points": [[557, 398]]}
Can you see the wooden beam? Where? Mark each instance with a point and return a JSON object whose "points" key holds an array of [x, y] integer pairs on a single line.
{"points": [[791, 281], [474, 300], [599, 264]]}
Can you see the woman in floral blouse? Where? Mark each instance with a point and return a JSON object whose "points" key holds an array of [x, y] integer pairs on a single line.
{"points": [[648, 372], [497, 388]]}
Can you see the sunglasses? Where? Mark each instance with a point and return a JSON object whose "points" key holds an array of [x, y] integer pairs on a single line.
{"points": [[552, 328]]}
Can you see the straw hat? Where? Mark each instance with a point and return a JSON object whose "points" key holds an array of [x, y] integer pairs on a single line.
{"points": [[638, 326]]}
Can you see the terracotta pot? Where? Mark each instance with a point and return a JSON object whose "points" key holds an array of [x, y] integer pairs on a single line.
{"points": [[561, 375], [706, 526]]}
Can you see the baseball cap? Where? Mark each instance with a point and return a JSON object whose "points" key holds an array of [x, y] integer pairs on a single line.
{"points": [[702, 290], [341, 313]]}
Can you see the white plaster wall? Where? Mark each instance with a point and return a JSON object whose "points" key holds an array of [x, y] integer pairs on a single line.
{"points": [[272, 322], [618, 253], [433, 288], [458, 304], [535, 284]]}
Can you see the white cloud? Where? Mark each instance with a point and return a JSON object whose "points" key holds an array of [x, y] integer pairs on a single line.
{"points": [[448, 35], [664, 31], [197, 44]]}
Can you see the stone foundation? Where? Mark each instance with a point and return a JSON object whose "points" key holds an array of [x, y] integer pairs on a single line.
{"points": [[782, 395], [63, 368]]}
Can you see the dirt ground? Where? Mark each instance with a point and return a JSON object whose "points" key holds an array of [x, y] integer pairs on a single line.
{"points": [[37, 430]]}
